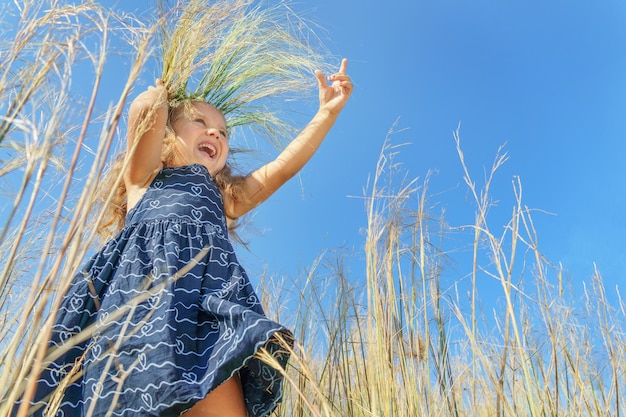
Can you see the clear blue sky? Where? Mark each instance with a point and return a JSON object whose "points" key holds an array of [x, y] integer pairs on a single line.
{"points": [[548, 79]]}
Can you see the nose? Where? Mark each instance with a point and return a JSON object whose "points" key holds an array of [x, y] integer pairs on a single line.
{"points": [[213, 132]]}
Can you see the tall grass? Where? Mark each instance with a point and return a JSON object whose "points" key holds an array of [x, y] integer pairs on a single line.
{"points": [[243, 55], [52, 156], [59, 126], [404, 334]]}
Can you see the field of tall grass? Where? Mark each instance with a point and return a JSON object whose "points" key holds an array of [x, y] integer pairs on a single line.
{"points": [[396, 336], [400, 338]]}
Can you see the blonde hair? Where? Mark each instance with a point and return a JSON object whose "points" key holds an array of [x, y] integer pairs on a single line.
{"points": [[227, 181], [241, 57]]}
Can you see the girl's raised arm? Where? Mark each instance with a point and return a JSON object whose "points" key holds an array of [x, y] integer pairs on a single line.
{"points": [[147, 120], [262, 183]]}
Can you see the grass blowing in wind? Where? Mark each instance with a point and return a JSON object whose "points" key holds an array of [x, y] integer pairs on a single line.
{"points": [[44, 220], [408, 332], [239, 59], [244, 58], [402, 334]]}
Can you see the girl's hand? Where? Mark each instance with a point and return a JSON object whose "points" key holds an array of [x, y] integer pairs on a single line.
{"points": [[334, 97], [154, 96]]}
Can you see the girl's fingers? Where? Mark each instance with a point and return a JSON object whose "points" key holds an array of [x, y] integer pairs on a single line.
{"points": [[321, 79], [339, 77], [343, 81], [343, 66]]}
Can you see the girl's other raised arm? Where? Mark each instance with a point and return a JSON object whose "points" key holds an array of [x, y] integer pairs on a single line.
{"points": [[147, 120], [262, 183]]}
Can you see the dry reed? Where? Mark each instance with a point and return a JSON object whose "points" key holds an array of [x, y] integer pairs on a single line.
{"points": [[395, 340], [399, 340], [59, 126]]}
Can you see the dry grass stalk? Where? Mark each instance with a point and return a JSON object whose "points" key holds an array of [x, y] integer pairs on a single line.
{"points": [[50, 43], [241, 58], [57, 162], [398, 340]]}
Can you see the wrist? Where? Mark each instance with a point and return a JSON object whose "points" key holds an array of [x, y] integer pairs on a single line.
{"points": [[327, 113]]}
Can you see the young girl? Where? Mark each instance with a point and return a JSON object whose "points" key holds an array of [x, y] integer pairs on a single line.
{"points": [[173, 323]]}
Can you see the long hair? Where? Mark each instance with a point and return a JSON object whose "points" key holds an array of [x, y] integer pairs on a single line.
{"points": [[227, 181], [242, 58]]}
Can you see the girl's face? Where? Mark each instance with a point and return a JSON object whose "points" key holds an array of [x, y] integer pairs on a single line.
{"points": [[201, 137]]}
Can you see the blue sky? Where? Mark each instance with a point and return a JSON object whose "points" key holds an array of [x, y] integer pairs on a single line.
{"points": [[545, 79]]}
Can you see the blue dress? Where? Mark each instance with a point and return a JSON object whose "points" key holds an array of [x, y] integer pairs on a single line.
{"points": [[170, 313]]}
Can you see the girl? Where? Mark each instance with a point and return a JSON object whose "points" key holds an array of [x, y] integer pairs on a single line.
{"points": [[173, 323]]}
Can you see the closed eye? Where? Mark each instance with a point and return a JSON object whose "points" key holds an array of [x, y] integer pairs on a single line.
{"points": [[201, 121]]}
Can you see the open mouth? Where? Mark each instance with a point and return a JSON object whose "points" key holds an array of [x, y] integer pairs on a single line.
{"points": [[208, 149]]}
